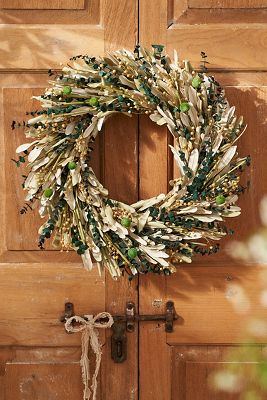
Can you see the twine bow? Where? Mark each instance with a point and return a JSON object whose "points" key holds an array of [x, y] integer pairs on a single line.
{"points": [[88, 325]]}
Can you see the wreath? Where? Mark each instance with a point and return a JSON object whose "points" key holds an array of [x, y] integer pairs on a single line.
{"points": [[152, 235]]}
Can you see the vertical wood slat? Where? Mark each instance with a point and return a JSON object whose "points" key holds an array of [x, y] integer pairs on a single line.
{"points": [[120, 176], [37, 50], [154, 167]]}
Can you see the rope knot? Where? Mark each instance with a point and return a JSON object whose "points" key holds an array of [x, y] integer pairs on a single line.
{"points": [[88, 326]]}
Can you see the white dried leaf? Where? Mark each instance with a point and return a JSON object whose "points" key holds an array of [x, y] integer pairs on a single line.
{"points": [[178, 160], [192, 95], [227, 117], [142, 220], [58, 176], [34, 154], [138, 238], [25, 146], [185, 259], [127, 82], [208, 218], [35, 119], [100, 123], [193, 160], [69, 197], [193, 116], [232, 214], [188, 210], [192, 235], [96, 253], [75, 176], [126, 207], [226, 159], [185, 120], [92, 127], [40, 163], [144, 204], [70, 128], [216, 144], [109, 215], [87, 261], [168, 119]]}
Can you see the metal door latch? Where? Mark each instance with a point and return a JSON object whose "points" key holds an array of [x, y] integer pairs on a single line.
{"points": [[126, 323]]}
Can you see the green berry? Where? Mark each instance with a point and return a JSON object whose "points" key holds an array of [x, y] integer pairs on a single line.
{"points": [[93, 101], [132, 252], [184, 107], [72, 165], [48, 192], [66, 90], [196, 82], [126, 222], [220, 199]]}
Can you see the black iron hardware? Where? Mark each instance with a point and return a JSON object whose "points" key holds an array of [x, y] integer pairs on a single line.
{"points": [[68, 312], [126, 323], [118, 342]]}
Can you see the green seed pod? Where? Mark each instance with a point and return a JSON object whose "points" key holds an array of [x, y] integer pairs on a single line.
{"points": [[196, 82], [184, 107], [48, 192], [126, 222], [72, 165], [220, 199], [93, 101], [67, 90], [132, 252]]}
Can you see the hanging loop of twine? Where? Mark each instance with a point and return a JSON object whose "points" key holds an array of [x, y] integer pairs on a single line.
{"points": [[88, 325]]}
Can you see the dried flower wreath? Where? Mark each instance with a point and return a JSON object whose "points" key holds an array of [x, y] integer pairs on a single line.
{"points": [[153, 234]]}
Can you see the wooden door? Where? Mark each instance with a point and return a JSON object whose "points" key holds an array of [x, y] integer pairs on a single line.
{"points": [[231, 33], [38, 360]]}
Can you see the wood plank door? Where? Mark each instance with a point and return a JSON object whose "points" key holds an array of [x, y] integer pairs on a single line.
{"points": [[232, 34], [38, 360]]}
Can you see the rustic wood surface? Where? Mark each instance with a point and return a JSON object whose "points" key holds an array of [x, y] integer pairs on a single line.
{"points": [[36, 354], [205, 293], [133, 160]]}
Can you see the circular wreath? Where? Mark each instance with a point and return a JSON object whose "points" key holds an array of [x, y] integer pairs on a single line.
{"points": [[153, 234]]}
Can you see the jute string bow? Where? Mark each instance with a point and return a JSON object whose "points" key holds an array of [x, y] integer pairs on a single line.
{"points": [[88, 325]]}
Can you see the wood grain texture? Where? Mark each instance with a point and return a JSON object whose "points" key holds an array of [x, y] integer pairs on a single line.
{"points": [[155, 355], [213, 303], [215, 11], [42, 381], [37, 47], [33, 298], [11, 198], [35, 285], [206, 293], [191, 367], [89, 13], [239, 4], [120, 176], [154, 161], [42, 4], [190, 40]]}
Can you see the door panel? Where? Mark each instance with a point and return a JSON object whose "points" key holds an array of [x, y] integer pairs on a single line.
{"points": [[36, 354], [206, 292]]}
